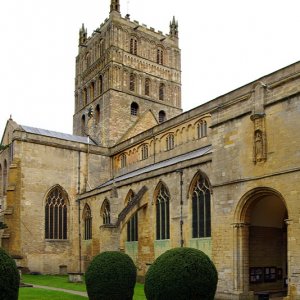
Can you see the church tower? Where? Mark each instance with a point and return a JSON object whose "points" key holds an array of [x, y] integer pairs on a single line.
{"points": [[125, 70]]}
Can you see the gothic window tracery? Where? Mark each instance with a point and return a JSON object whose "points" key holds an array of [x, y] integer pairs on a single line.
{"points": [[87, 218], [144, 151], [56, 214], [162, 213], [132, 228], [123, 161], [201, 208]]}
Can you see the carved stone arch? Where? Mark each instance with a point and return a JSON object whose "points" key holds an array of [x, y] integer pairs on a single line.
{"points": [[86, 210], [105, 212], [194, 181], [205, 117], [241, 214]]}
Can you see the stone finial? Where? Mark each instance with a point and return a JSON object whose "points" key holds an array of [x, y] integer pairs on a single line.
{"points": [[174, 28], [82, 35]]}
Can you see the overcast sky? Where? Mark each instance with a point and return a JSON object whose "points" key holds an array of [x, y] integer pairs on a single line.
{"points": [[225, 44]]}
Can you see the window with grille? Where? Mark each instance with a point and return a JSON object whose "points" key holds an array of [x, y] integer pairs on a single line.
{"points": [[134, 109], [162, 214], [56, 214], [202, 129], [133, 46], [201, 215], [106, 212], [161, 91], [132, 228], [161, 116], [132, 82], [87, 218], [147, 86], [170, 142], [144, 151]]}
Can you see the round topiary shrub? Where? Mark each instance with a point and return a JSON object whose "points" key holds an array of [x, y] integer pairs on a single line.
{"points": [[9, 277], [180, 274], [111, 276]]}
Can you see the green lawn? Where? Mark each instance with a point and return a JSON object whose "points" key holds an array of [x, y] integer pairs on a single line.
{"points": [[61, 282], [42, 294]]}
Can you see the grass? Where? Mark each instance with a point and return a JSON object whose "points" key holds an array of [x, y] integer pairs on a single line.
{"points": [[42, 294], [61, 281]]}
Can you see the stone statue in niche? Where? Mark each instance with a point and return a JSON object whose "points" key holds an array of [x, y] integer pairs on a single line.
{"points": [[258, 146]]}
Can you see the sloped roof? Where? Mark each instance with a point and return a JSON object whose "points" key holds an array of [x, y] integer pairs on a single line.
{"points": [[58, 135], [172, 161]]}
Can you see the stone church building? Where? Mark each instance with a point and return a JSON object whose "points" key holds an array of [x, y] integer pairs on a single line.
{"points": [[140, 176]]}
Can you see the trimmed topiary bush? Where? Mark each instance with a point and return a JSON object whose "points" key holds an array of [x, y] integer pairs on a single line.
{"points": [[111, 276], [9, 277], [180, 274]]}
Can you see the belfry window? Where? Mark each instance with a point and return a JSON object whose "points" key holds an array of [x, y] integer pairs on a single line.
{"points": [[160, 56], [56, 214], [147, 86], [133, 46], [100, 84], [201, 215], [162, 214], [87, 216], [132, 82], [132, 228], [161, 91], [134, 108], [106, 212], [202, 129]]}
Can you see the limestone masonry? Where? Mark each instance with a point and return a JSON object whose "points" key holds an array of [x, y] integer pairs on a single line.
{"points": [[140, 176]]}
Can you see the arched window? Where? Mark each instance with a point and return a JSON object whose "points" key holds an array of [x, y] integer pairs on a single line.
{"points": [[92, 91], [123, 162], [147, 86], [56, 214], [132, 82], [4, 177], [129, 197], [202, 129], [144, 151], [134, 109], [161, 116], [161, 91], [88, 60], [160, 56], [201, 215], [87, 218], [133, 46], [170, 142], [105, 212], [83, 124], [1, 181], [100, 84], [162, 213], [132, 228], [97, 114]]}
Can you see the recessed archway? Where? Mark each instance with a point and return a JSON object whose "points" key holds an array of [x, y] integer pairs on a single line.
{"points": [[260, 254]]}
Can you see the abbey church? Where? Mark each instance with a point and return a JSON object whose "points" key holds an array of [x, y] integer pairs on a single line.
{"points": [[141, 176]]}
